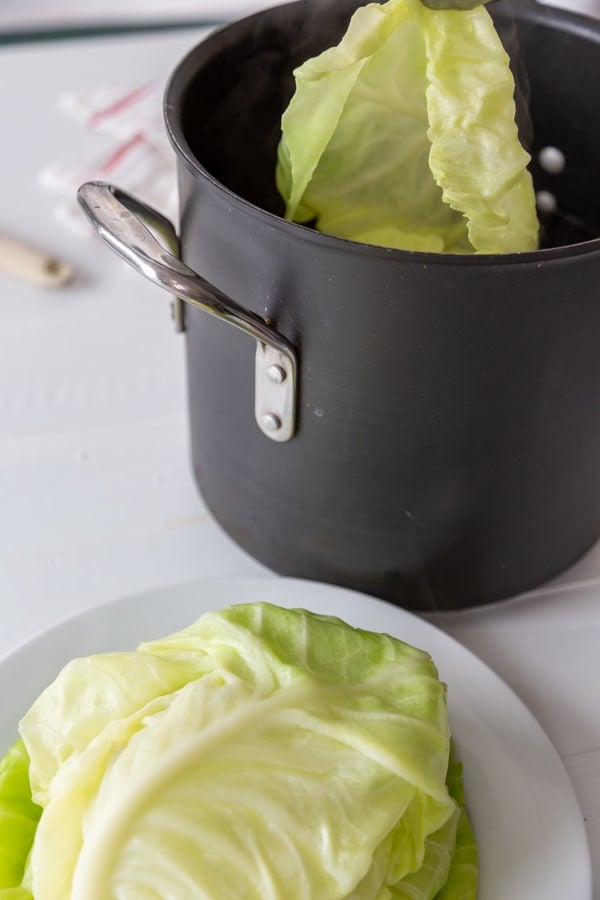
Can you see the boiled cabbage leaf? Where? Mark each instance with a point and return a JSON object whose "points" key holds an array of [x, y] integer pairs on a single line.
{"points": [[19, 816], [259, 751], [404, 135]]}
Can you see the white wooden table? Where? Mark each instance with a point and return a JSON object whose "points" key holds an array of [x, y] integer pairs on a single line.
{"points": [[96, 494], [16, 15]]}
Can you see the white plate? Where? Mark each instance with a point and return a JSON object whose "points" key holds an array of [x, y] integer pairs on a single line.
{"points": [[529, 826]]}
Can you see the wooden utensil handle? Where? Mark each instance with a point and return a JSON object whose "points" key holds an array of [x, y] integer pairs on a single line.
{"points": [[31, 264]]}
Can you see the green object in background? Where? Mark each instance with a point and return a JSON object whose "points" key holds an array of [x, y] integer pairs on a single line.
{"points": [[258, 748], [404, 136], [454, 4]]}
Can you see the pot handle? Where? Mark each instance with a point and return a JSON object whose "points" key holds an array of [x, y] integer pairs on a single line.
{"points": [[119, 220]]}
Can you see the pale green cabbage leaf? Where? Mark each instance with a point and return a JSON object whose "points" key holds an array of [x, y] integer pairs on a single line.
{"points": [[19, 816], [404, 135], [256, 750]]}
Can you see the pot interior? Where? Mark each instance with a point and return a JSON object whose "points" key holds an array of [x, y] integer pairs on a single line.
{"points": [[225, 102]]}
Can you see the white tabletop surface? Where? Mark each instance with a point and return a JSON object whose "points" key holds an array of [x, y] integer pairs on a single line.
{"points": [[96, 495], [18, 14]]}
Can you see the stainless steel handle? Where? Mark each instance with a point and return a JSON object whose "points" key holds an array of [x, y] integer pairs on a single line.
{"points": [[119, 220]]}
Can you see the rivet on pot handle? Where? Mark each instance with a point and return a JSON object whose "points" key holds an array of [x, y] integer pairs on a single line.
{"points": [[119, 220]]}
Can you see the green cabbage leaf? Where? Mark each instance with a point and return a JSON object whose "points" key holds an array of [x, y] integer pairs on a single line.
{"points": [[19, 816], [259, 749], [404, 136]]}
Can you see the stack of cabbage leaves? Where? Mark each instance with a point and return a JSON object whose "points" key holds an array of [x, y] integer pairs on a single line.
{"points": [[262, 753]]}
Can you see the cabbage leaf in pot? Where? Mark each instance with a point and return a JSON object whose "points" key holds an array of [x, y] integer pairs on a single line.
{"points": [[260, 753], [404, 135]]}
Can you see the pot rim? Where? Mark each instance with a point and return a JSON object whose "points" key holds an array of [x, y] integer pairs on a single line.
{"points": [[190, 64]]}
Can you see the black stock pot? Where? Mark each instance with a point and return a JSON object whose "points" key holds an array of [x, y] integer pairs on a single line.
{"points": [[422, 427]]}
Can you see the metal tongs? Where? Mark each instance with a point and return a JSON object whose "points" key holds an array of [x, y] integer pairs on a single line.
{"points": [[454, 4]]}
